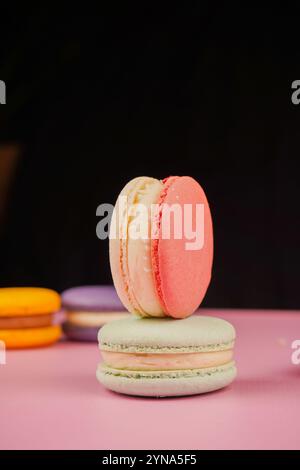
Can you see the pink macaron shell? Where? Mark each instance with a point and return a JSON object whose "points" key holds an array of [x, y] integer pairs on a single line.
{"points": [[182, 276]]}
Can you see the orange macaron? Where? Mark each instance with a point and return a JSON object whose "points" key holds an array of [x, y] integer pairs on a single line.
{"points": [[29, 317]]}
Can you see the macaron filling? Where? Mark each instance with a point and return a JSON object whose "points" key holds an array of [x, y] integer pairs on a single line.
{"points": [[180, 361], [135, 253], [93, 319], [32, 321]]}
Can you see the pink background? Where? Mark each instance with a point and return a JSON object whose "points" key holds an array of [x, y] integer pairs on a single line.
{"points": [[50, 399]]}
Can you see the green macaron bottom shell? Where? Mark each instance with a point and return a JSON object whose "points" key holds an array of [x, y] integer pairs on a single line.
{"points": [[166, 383]]}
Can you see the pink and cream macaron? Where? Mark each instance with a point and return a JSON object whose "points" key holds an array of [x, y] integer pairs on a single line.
{"points": [[166, 271]]}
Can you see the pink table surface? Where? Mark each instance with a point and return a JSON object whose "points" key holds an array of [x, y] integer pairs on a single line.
{"points": [[50, 399]]}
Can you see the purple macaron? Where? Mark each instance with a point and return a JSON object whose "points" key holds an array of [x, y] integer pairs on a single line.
{"points": [[80, 333], [88, 299], [92, 299]]}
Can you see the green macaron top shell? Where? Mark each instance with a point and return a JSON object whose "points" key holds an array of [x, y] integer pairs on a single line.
{"points": [[198, 333]]}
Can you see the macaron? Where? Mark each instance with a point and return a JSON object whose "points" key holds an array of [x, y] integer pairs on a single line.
{"points": [[80, 333], [167, 269], [29, 317], [162, 357], [88, 308]]}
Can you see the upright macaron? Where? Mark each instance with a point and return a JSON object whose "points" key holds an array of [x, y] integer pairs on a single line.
{"points": [[167, 269], [29, 317], [163, 357], [88, 308]]}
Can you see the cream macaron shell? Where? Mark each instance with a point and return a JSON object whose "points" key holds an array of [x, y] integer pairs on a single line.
{"points": [[165, 357], [130, 257]]}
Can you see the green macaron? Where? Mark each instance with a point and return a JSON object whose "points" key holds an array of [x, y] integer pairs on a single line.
{"points": [[165, 357]]}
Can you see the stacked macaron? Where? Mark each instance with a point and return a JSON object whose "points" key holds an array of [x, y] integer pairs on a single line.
{"points": [[155, 274], [88, 308], [163, 357], [162, 276], [29, 317]]}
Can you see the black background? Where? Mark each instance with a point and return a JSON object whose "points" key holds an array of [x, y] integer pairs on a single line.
{"points": [[97, 99]]}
